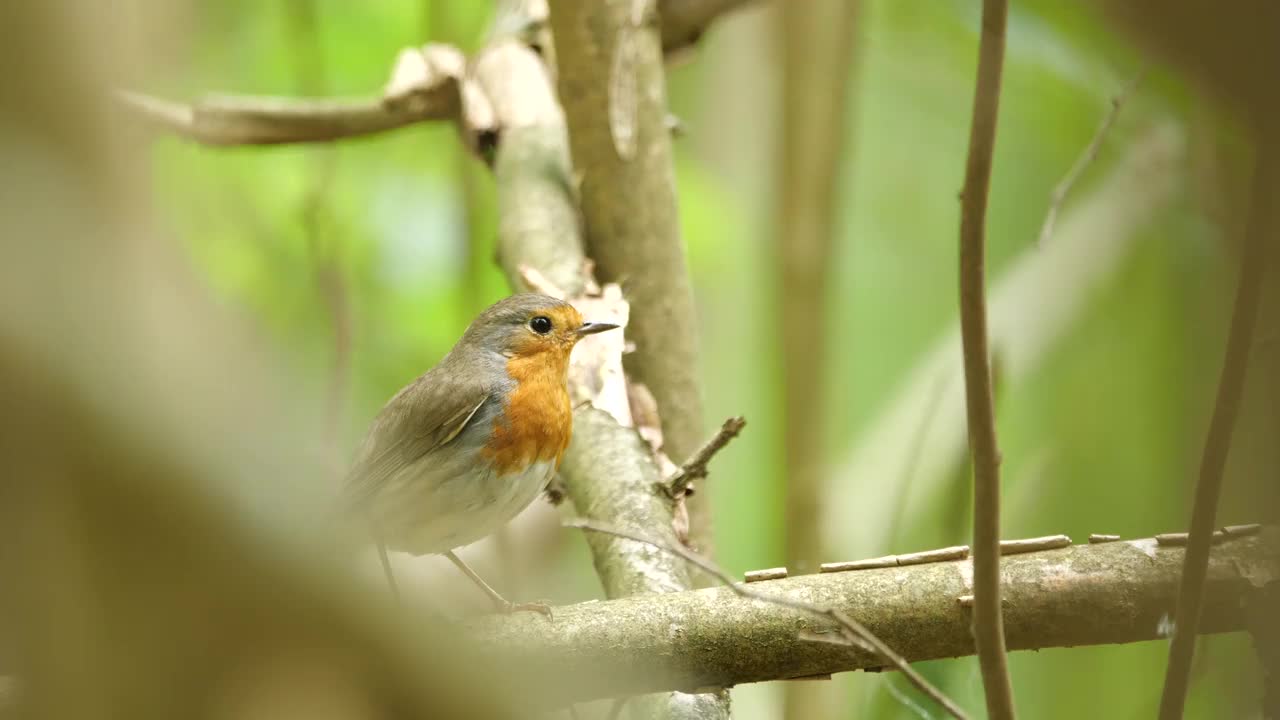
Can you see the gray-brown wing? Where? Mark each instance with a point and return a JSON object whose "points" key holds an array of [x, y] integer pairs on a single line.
{"points": [[423, 417]]}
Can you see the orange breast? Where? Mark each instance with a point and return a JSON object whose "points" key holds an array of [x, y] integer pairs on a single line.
{"points": [[539, 419]]}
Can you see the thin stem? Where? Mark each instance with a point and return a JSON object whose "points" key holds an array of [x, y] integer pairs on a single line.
{"points": [[1218, 442], [695, 468], [1086, 158], [988, 625]]}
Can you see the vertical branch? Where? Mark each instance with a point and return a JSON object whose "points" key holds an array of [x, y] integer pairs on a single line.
{"points": [[817, 55], [609, 472], [988, 625], [1218, 442], [817, 41], [611, 81]]}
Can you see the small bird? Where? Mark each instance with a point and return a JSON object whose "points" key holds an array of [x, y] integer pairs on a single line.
{"points": [[461, 450]]}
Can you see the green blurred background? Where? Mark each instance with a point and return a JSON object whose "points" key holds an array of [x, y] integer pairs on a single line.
{"points": [[1106, 338]]}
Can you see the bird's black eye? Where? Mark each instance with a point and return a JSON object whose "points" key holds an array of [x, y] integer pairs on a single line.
{"points": [[540, 324]]}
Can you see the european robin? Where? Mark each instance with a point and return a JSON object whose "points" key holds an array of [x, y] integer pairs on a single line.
{"points": [[461, 450]]}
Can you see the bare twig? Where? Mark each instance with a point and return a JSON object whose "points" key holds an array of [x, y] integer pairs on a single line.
{"points": [[958, 552], [1086, 158], [1259, 232], [1049, 542], [776, 573], [854, 631], [695, 468], [231, 120], [1095, 538], [988, 626]]}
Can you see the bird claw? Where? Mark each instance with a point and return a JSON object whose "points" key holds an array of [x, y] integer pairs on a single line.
{"points": [[507, 607]]}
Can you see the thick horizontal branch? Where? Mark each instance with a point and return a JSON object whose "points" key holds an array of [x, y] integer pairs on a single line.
{"points": [[1096, 594]]}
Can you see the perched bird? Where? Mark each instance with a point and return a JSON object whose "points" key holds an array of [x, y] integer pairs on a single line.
{"points": [[464, 448]]}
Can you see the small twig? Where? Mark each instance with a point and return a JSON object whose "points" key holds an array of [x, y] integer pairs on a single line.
{"points": [[854, 631], [1095, 538], [1242, 530], [1049, 542], [1181, 539], [230, 120], [988, 625], [957, 552], [1258, 233], [776, 573], [1086, 158], [695, 468]]}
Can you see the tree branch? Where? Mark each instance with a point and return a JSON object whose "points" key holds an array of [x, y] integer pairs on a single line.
{"points": [[695, 640], [608, 470], [988, 627], [853, 633], [1258, 234], [611, 81], [233, 120]]}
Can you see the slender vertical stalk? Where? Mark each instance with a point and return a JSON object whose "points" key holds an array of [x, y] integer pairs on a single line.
{"points": [[1218, 442], [988, 625], [612, 82], [818, 40]]}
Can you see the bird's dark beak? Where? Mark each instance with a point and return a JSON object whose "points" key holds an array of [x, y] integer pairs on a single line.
{"points": [[593, 328]]}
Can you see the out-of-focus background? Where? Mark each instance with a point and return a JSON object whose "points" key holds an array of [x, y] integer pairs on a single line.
{"points": [[362, 261]]}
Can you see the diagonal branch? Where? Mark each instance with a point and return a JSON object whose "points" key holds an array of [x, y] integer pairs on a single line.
{"points": [[1258, 234], [988, 626], [695, 468], [234, 120], [1086, 158]]}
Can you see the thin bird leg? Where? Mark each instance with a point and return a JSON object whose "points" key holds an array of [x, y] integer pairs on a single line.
{"points": [[504, 605], [386, 569]]}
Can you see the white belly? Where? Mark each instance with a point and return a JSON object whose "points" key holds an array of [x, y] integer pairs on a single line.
{"points": [[462, 511]]}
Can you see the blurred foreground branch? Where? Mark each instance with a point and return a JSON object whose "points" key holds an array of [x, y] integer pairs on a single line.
{"points": [[1258, 234], [1080, 595]]}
